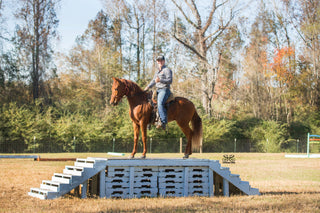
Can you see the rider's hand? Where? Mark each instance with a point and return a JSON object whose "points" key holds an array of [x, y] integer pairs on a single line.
{"points": [[146, 89], [157, 80]]}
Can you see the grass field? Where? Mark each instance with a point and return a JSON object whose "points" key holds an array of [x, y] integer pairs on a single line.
{"points": [[286, 185]]}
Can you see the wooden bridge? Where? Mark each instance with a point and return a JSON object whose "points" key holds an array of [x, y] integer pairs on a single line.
{"points": [[135, 178]]}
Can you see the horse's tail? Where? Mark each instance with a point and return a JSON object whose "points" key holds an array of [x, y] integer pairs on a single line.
{"points": [[196, 123]]}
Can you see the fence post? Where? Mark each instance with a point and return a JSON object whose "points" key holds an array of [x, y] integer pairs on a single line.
{"points": [[150, 144], [235, 145], [308, 145], [34, 144], [74, 144], [297, 145], [180, 145], [113, 144]]}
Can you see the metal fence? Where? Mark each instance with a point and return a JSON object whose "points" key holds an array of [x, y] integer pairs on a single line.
{"points": [[154, 145]]}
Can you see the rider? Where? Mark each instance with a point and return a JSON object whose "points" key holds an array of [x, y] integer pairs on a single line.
{"points": [[162, 79]]}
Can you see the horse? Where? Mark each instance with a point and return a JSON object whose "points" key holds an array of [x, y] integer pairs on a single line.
{"points": [[180, 110]]}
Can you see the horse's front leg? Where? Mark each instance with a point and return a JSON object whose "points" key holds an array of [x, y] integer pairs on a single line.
{"points": [[136, 130], [144, 139]]}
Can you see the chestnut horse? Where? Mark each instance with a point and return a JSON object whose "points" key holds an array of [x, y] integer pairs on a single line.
{"points": [[181, 110]]}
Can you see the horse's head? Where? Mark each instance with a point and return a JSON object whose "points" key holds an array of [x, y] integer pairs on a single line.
{"points": [[118, 91]]}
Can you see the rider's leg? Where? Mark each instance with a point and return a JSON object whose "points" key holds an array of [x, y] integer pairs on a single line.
{"points": [[163, 95]]}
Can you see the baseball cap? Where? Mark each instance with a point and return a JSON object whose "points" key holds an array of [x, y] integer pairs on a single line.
{"points": [[160, 58]]}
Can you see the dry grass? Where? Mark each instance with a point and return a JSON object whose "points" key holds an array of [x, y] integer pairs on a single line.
{"points": [[286, 185]]}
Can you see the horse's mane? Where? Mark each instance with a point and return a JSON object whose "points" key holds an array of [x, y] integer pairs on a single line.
{"points": [[133, 87]]}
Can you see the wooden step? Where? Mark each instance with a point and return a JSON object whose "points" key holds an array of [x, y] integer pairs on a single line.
{"points": [[73, 170], [62, 178], [43, 194]]}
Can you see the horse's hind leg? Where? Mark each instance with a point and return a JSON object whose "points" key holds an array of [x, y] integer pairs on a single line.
{"points": [[188, 133]]}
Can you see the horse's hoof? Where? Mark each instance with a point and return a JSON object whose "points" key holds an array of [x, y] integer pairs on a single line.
{"points": [[143, 157], [131, 156], [185, 156]]}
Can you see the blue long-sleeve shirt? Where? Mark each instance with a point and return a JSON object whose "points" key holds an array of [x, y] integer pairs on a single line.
{"points": [[165, 75]]}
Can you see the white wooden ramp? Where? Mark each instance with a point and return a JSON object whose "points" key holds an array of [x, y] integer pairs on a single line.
{"points": [[72, 177], [135, 178]]}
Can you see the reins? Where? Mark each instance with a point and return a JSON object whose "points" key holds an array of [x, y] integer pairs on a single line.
{"points": [[127, 91]]}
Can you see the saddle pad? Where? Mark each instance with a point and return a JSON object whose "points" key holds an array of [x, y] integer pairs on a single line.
{"points": [[171, 97]]}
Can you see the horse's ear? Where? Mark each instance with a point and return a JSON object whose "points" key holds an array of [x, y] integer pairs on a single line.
{"points": [[115, 79]]}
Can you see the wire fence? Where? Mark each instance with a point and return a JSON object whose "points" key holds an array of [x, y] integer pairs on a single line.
{"points": [[154, 145]]}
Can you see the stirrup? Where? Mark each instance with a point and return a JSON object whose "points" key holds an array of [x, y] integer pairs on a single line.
{"points": [[161, 125]]}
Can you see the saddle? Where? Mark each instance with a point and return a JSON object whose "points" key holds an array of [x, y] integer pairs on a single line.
{"points": [[152, 97], [155, 97]]}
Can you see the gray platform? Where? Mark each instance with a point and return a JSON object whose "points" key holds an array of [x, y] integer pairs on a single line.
{"points": [[130, 178]]}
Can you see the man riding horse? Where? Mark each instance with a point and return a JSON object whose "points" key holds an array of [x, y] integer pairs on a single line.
{"points": [[162, 79], [180, 110]]}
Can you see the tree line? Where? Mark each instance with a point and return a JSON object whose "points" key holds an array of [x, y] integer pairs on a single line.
{"points": [[251, 68]]}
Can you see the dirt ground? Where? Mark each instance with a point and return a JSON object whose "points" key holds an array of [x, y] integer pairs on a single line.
{"points": [[286, 185]]}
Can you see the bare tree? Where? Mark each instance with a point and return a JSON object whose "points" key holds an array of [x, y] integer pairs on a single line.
{"points": [[1, 22], [133, 17], [205, 30], [160, 16], [33, 36]]}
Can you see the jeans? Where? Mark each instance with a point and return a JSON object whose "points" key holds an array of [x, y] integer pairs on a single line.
{"points": [[163, 95]]}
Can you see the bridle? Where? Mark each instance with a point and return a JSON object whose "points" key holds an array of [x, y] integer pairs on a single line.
{"points": [[126, 92]]}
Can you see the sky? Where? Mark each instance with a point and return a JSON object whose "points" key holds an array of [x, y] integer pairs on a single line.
{"points": [[74, 16]]}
